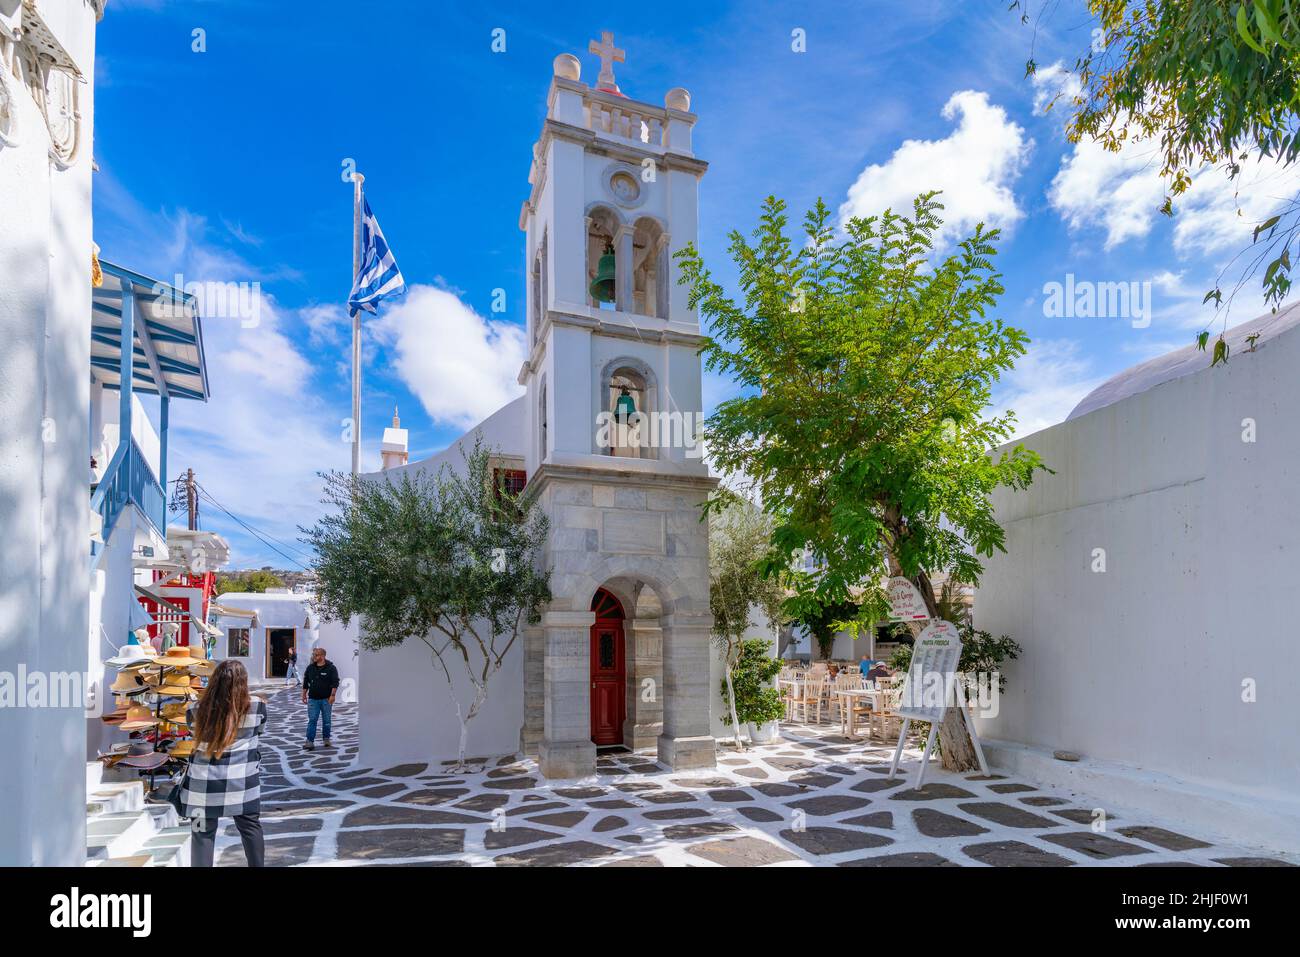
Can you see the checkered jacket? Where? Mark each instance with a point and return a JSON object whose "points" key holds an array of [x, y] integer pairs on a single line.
{"points": [[230, 784]]}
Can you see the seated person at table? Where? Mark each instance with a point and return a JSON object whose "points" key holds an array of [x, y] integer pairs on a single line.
{"points": [[879, 670], [864, 666]]}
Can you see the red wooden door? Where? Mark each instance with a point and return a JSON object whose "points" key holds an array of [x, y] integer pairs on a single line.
{"points": [[608, 674]]}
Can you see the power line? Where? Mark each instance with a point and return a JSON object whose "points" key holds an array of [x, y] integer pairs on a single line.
{"points": [[262, 537]]}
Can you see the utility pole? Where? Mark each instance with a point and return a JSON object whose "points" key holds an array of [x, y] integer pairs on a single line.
{"points": [[192, 499]]}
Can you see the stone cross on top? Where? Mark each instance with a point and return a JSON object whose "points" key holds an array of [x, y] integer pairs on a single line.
{"points": [[609, 55]]}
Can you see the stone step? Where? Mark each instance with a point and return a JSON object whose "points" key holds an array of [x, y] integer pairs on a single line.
{"points": [[115, 798], [170, 848], [120, 834], [136, 860]]}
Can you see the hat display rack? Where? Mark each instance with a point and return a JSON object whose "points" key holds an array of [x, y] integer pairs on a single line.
{"points": [[153, 695]]}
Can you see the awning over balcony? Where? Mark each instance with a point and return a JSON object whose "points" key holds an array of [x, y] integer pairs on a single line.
{"points": [[167, 350]]}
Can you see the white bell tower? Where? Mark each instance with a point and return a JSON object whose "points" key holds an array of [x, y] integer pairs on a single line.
{"points": [[611, 173], [614, 407]]}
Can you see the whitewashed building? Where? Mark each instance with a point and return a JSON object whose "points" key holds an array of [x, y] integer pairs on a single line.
{"points": [[614, 194], [1151, 581], [47, 68], [258, 629]]}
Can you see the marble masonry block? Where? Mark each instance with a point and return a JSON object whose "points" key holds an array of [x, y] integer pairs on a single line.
{"points": [[571, 493], [632, 533], [683, 754], [566, 759], [629, 498], [577, 516]]}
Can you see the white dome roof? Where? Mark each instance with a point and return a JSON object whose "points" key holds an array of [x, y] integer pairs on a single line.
{"points": [[1185, 361]]}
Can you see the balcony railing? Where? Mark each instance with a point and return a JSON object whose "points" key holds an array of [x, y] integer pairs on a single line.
{"points": [[128, 479]]}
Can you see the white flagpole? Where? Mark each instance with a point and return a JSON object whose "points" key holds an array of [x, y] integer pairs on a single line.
{"points": [[357, 180]]}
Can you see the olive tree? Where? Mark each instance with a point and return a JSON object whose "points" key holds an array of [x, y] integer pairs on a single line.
{"points": [[451, 560]]}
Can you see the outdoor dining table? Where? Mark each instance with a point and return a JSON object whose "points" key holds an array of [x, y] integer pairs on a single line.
{"points": [[846, 707]]}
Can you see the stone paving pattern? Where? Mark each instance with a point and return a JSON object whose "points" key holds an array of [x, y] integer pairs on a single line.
{"points": [[812, 798]]}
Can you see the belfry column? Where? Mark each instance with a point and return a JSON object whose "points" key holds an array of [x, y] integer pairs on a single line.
{"points": [[645, 680], [623, 269], [567, 750], [686, 741]]}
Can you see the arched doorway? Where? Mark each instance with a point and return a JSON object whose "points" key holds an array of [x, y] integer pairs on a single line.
{"points": [[608, 671]]}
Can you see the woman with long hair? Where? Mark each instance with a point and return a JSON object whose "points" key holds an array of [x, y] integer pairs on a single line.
{"points": [[224, 777]]}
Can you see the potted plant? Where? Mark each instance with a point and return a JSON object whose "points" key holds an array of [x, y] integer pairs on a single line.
{"points": [[757, 702]]}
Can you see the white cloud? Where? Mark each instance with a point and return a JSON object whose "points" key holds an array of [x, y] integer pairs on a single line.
{"points": [[975, 166], [1118, 192], [1046, 384], [1054, 87], [461, 366], [1218, 215], [326, 323], [1121, 193]]}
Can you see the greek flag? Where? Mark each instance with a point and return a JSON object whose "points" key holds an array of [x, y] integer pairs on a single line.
{"points": [[379, 277]]}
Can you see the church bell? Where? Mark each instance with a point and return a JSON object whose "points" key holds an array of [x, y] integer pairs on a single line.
{"points": [[602, 287], [625, 407]]}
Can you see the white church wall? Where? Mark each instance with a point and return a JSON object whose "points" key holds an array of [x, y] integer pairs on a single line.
{"points": [[410, 713], [1141, 668], [45, 250]]}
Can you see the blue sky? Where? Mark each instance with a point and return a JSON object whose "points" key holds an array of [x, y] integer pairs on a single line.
{"points": [[224, 165]]}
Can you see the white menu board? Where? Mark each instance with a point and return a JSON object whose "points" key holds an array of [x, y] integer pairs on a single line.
{"points": [[935, 657], [905, 601]]}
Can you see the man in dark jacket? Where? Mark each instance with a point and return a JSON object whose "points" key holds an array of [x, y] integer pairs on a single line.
{"points": [[320, 682]]}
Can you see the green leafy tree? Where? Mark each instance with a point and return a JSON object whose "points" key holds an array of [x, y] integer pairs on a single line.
{"points": [[824, 621], [866, 363], [452, 561], [247, 582], [1214, 83], [738, 584]]}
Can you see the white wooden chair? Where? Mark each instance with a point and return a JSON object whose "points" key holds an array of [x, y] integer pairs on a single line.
{"points": [[811, 697], [883, 717]]}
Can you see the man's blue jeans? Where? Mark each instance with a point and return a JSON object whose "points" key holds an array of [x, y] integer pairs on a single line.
{"points": [[318, 708]]}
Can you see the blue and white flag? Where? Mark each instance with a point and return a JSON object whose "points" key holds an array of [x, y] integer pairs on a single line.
{"points": [[379, 277]]}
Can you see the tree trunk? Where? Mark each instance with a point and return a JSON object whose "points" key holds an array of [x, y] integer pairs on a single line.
{"points": [[956, 752], [731, 702], [480, 695]]}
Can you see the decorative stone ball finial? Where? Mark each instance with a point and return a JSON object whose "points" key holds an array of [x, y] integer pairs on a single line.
{"points": [[678, 99], [567, 67]]}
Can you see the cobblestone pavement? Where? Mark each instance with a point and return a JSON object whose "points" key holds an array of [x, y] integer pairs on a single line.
{"points": [[811, 799]]}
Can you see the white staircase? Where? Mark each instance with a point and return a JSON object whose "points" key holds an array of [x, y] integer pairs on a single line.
{"points": [[124, 830]]}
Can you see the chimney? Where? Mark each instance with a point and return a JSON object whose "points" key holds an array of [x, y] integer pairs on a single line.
{"points": [[393, 448]]}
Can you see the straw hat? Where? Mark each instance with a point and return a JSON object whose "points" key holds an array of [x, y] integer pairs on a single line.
{"points": [[142, 755], [114, 717], [178, 656], [132, 653], [182, 749], [126, 683], [172, 683], [138, 717]]}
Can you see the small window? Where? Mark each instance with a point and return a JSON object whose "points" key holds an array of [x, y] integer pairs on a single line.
{"points": [[237, 643], [509, 481]]}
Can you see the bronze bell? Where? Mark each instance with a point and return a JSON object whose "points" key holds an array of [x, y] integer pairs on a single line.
{"points": [[602, 287]]}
